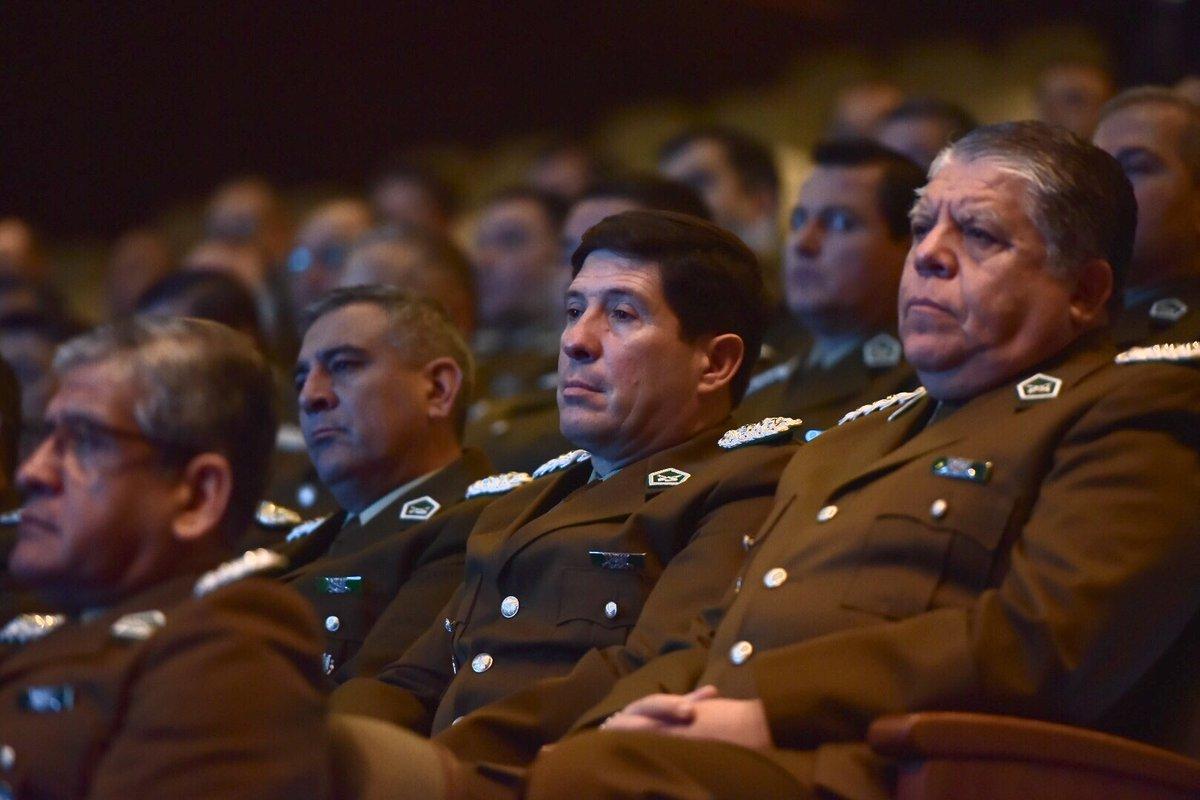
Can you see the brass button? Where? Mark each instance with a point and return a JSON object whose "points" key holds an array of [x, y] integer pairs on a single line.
{"points": [[740, 653], [610, 610], [481, 663], [509, 607], [775, 577], [827, 513], [939, 508]]}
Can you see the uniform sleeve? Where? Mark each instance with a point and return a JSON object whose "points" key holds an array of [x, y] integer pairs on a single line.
{"points": [[407, 691], [225, 703], [1110, 543]]}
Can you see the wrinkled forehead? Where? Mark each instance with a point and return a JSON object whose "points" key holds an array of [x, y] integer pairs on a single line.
{"points": [[992, 179], [106, 390], [606, 271]]}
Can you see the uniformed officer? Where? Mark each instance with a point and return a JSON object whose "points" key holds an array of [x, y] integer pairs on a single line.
{"points": [[153, 678], [1155, 134], [520, 432], [842, 262], [993, 541], [382, 380], [645, 522]]}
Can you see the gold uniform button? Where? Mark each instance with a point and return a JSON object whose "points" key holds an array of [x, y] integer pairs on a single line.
{"points": [[332, 623], [775, 577], [509, 607], [740, 653], [939, 508], [827, 513], [610, 610], [481, 663]]}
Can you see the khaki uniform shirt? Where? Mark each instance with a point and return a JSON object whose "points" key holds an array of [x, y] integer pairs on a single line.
{"points": [[168, 695], [557, 568]]}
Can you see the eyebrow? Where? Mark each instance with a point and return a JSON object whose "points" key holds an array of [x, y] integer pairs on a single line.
{"points": [[328, 354]]}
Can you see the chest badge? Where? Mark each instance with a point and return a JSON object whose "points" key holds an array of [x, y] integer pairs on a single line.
{"points": [[419, 509], [1168, 309], [962, 469], [663, 478], [617, 561], [1039, 387]]}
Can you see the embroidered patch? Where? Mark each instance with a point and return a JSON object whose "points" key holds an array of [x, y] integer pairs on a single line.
{"points": [[1039, 387], [419, 509], [766, 430], [498, 484], [663, 478], [249, 563]]}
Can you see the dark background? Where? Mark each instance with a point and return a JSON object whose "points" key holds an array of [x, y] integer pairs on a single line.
{"points": [[108, 113]]}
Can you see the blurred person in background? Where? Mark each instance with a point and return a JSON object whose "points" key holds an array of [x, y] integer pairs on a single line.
{"points": [[326, 235], [842, 264], [21, 254], [520, 432], [566, 168], [518, 278], [859, 108], [1189, 87], [421, 263], [28, 340], [1154, 134], [249, 210], [1071, 93], [920, 127], [139, 258], [407, 194]]}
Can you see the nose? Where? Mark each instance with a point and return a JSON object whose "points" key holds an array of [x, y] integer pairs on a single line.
{"points": [[581, 338], [934, 255], [41, 472], [806, 240], [316, 393]]}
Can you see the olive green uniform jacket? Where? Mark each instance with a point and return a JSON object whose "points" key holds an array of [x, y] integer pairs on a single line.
{"points": [[408, 559], [168, 695], [1036, 557], [559, 567]]}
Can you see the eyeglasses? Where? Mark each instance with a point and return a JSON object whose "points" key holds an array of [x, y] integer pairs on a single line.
{"points": [[88, 442], [330, 256]]}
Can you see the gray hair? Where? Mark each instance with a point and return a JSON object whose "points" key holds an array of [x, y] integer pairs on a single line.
{"points": [[201, 387], [1076, 194], [1189, 139], [420, 329]]}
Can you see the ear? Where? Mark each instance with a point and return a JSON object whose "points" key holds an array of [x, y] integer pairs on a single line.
{"points": [[205, 488], [721, 359], [443, 381], [1093, 288]]}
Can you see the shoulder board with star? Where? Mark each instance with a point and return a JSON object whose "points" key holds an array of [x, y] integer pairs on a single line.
{"points": [[305, 528], [249, 563], [273, 516], [503, 483], [30, 627], [561, 462], [1183, 351], [879, 405], [771, 429]]}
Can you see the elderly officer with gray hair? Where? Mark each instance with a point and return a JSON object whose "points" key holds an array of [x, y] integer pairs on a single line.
{"points": [[992, 541], [160, 672]]}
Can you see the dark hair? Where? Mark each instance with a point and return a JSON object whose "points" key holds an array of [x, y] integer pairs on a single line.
{"points": [[752, 160], [901, 176], [421, 332], [400, 168], [1080, 199], [201, 387], [206, 295], [711, 280], [958, 120], [1189, 139], [554, 207], [653, 192]]}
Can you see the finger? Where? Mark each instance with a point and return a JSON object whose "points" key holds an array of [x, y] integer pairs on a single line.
{"points": [[633, 722], [666, 707], [707, 692]]}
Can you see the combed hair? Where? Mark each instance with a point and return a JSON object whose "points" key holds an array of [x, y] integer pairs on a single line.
{"points": [[752, 160], [201, 388], [647, 190], [898, 186], [711, 280], [420, 329], [1078, 196], [1189, 140]]}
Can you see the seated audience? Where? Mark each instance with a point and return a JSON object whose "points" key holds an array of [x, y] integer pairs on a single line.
{"points": [[919, 128], [407, 195], [1071, 94], [139, 259]]}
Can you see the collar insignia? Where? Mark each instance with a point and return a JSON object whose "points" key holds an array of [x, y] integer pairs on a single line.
{"points": [[881, 351], [276, 517], [139, 626], [900, 399], [248, 563], [497, 484], [419, 509], [1168, 309], [1184, 351], [305, 528], [1039, 387], [561, 462], [29, 627], [662, 478], [766, 430]]}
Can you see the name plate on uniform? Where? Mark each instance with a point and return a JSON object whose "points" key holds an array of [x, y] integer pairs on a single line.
{"points": [[624, 561], [963, 469], [345, 584], [47, 699]]}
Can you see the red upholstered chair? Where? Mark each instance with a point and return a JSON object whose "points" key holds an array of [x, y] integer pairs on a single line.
{"points": [[955, 755]]}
